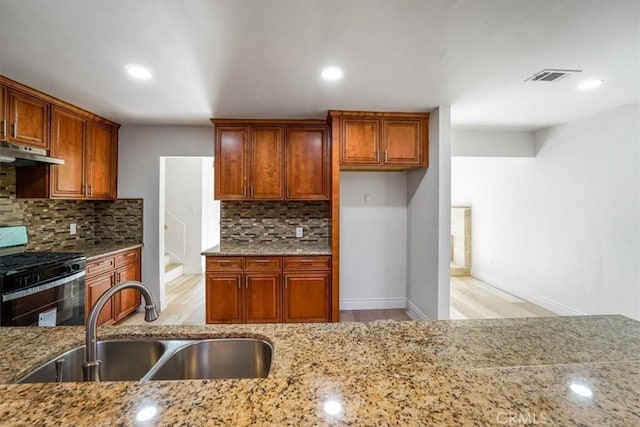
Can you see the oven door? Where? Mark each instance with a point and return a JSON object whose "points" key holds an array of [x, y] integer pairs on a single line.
{"points": [[54, 303]]}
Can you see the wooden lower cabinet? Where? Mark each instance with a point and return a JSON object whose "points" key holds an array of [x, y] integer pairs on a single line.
{"points": [[262, 297], [223, 296], [106, 272], [128, 300], [96, 286], [268, 289], [307, 297]]}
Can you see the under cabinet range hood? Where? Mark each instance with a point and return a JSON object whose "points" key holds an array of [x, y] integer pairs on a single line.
{"points": [[21, 155]]}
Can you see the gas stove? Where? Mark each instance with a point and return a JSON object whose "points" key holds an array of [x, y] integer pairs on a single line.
{"points": [[39, 288]]}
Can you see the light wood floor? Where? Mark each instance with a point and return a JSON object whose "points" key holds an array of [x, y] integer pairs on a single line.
{"points": [[474, 299], [185, 306], [470, 299]]}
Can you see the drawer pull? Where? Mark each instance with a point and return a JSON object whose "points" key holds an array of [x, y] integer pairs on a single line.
{"points": [[261, 261]]}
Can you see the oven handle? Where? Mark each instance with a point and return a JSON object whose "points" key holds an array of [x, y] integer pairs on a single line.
{"points": [[35, 289]]}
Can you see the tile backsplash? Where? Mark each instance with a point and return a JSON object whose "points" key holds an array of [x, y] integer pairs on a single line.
{"points": [[274, 221], [48, 220]]}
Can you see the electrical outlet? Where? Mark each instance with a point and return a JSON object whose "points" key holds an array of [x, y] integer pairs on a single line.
{"points": [[72, 229], [298, 232]]}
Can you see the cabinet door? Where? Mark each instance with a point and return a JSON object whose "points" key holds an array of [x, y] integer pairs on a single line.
{"points": [[96, 286], [266, 163], [127, 300], [223, 298], [402, 142], [359, 142], [262, 297], [307, 164], [229, 166], [28, 120], [3, 113], [306, 297], [101, 161], [67, 142]]}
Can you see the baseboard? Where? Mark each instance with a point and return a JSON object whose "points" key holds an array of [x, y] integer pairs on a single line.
{"points": [[414, 312], [372, 303], [544, 302]]}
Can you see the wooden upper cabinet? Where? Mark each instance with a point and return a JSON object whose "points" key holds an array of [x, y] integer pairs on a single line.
{"points": [[381, 141], [67, 142], [401, 142], [3, 113], [101, 160], [28, 119], [271, 160], [229, 163], [87, 143], [307, 163], [266, 163], [361, 142]]}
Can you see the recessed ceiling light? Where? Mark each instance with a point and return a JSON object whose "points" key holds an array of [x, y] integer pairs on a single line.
{"points": [[590, 84], [138, 72], [581, 390], [331, 73]]}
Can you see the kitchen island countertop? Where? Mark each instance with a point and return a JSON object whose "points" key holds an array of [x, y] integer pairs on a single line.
{"points": [[545, 371]]}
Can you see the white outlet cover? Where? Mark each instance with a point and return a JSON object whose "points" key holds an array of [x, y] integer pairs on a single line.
{"points": [[298, 231], [72, 229]]}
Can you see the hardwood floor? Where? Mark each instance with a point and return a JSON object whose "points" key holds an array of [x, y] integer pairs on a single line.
{"points": [[370, 315], [185, 296], [470, 299], [474, 299]]}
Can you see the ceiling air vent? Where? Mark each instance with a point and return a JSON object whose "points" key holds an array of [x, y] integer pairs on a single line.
{"points": [[551, 75]]}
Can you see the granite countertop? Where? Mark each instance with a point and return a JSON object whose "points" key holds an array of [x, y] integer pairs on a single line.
{"points": [[543, 371], [269, 248], [92, 251]]}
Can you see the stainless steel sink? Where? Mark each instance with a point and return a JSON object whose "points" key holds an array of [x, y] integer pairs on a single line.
{"points": [[142, 360], [122, 360], [217, 359]]}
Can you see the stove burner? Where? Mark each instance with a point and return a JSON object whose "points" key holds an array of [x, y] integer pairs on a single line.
{"points": [[27, 260]]}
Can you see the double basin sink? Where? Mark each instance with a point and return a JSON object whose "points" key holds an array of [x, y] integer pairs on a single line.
{"points": [[163, 359]]}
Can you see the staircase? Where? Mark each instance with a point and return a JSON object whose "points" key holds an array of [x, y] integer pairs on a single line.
{"points": [[172, 270]]}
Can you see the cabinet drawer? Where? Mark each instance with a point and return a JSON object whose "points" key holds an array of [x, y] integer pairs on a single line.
{"points": [[100, 266], [127, 257], [262, 263], [307, 263], [224, 263]]}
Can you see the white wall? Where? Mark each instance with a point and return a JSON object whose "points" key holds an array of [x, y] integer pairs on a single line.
{"points": [[429, 225], [140, 149], [492, 143], [183, 200], [373, 236], [210, 209], [562, 229]]}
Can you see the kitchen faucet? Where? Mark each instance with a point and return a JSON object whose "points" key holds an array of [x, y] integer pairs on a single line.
{"points": [[91, 365]]}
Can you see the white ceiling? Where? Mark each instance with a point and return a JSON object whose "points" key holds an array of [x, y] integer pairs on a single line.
{"points": [[262, 58]]}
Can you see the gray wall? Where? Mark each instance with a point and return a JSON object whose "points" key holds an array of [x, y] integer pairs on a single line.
{"points": [[429, 224], [140, 149]]}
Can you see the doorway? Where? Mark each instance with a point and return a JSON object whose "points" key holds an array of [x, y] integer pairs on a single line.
{"points": [[189, 224]]}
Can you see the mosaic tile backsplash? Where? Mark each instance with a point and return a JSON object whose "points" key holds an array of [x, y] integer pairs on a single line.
{"points": [[274, 221], [48, 220]]}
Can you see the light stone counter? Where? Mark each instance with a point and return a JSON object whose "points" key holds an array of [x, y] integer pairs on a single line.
{"points": [[268, 249], [544, 371], [92, 251]]}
